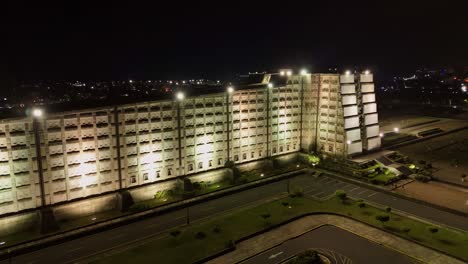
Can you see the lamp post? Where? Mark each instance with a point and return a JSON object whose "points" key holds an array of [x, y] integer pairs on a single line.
{"points": [[179, 97], [117, 141], [37, 115], [269, 87], [229, 91]]}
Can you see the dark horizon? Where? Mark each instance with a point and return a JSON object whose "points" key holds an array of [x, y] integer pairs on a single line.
{"points": [[123, 42]]}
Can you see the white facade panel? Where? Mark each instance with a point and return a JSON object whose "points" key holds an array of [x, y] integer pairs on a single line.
{"points": [[368, 98], [348, 88], [372, 131], [354, 148], [347, 78], [373, 143], [371, 119], [349, 99], [351, 122], [350, 110], [370, 108], [353, 135], [367, 78], [367, 88]]}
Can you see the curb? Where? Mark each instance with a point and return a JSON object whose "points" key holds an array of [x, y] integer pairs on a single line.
{"points": [[63, 236]]}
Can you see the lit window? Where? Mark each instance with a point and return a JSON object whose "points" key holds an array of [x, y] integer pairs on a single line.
{"points": [[132, 179], [252, 155], [190, 167], [236, 157], [169, 172], [210, 163], [200, 165], [145, 176]]}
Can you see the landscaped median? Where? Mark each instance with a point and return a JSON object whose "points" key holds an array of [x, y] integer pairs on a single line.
{"points": [[199, 241]]}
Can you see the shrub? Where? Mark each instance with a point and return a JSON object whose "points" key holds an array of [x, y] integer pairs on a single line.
{"points": [[374, 181], [229, 164], [341, 195], [284, 204], [422, 178], [265, 216], [306, 257], [197, 186], [432, 229], [242, 180], [200, 235], [388, 209], [298, 192], [217, 229], [406, 229], [361, 204], [382, 218], [175, 233]]}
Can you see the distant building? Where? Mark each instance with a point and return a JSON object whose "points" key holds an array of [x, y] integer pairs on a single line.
{"points": [[329, 113]]}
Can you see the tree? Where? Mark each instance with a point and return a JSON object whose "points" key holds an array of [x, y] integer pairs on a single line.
{"points": [[362, 204], [314, 160], [382, 218], [341, 195]]}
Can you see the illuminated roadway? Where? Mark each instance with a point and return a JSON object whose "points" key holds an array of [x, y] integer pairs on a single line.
{"points": [[321, 187]]}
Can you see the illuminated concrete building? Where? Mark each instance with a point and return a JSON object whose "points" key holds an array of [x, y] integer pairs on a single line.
{"points": [[160, 140]]}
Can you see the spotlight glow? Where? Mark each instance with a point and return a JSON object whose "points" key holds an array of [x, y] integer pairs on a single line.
{"points": [[36, 112], [180, 96]]}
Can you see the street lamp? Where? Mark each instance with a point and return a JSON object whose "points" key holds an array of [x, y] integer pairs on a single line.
{"points": [[270, 85], [180, 96], [367, 72], [381, 134], [289, 73], [348, 72], [396, 129], [37, 112], [282, 73], [230, 89], [303, 72]]}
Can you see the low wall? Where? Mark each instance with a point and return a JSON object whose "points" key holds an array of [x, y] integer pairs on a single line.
{"points": [[19, 223]]}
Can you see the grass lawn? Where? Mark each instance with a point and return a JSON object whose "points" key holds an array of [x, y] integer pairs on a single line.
{"points": [[186, 248]]}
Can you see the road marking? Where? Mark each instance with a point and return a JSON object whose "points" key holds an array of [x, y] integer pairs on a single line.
{"points": [[275, 255], [352, 190], [372, 194], [362, 192]]}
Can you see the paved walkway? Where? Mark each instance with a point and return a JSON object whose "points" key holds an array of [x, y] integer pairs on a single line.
{"points": [[437, 193], [279, 235]]}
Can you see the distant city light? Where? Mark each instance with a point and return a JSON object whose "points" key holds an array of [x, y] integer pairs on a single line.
{"points": [[282, 73], [463, 88], [303, 72], [180, 96], [130, 81], [270, 85], [230, 89], [183, 82], [37, 112], [348, 72], [396, 129], [367, 72], [289, 73]]}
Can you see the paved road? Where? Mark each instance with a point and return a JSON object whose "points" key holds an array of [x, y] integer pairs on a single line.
{"points": [[340, 246], [321, 187]]}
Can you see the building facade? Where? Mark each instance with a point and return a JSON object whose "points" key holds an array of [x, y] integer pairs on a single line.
{"points": [[96, 151]]}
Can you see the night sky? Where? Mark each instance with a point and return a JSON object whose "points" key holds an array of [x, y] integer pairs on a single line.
{"points": [[218, 40]]}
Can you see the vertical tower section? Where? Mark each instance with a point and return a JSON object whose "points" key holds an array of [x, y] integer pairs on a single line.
{"points": [[350, 97], [368, 109]]}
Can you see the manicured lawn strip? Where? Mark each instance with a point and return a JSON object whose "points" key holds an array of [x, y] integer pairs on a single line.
{"points": [[186, 248]]}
